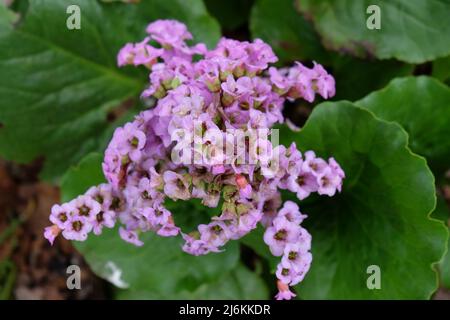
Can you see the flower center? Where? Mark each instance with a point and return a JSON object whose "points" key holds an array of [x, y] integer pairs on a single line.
{"points": [[292, 255], [134, 142], [99, 199], [84, 210], [280, 235], [99, 217], [62, 217], [115, 203], [180, 184], [216, 229], [301, 180], [77, 225]]}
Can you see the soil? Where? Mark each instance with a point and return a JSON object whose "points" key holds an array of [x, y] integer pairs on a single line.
{"points": [[30, 268]]}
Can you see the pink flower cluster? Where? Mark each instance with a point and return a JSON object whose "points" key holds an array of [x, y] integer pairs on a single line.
{"points": [[285, 237], [229, 87]]}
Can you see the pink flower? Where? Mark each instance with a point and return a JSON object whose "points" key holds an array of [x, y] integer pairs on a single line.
{"points": [[138, 54], [283, 292], [230, 90], [195, 246], [329, 182], [303, 184], [176, 186], [260, 54], [214, 234], [245, 189], [279, 79], [168, 32], [103, 194], [285, 272], [61, 214], [302, 86], [130, 236], [103, 219], [291, 212], [86, 207], [126, 55], [297, 259], [313, 164], [157, 215], [248, 222], [168, 230], [280, 234], [78, 229], [325, 84], [50, 233]]}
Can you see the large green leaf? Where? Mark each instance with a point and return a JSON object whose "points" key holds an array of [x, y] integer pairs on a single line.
{"points": [[293, 38], [355, 78], [254, 241], [445, 269], [381, 217], [442, 212], [160, 268], [413, 31], [422, 106], [441, 69], [6, 15], [231, 14], [290, 35], [240, 284], [58, 85]]}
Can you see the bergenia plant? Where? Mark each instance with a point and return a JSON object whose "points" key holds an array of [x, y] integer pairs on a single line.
{"points": [[209, 136]]}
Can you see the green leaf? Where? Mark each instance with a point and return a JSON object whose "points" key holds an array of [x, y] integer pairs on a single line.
{"points": [[289, 34], [6, 15], [182, 210], [81, 177], [414, 31], [356, 77], [231, 14], [239, 284], [57, 85], [159, 268], [445, 269], [381, 217], [126, 1], [442, 213], [20, 7], [255, 241], [421, 105], [294, 38], [441, 69]]}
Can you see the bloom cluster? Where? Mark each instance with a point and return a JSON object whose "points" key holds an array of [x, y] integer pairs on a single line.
{"points": [[285, 237], [204, 96]]}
